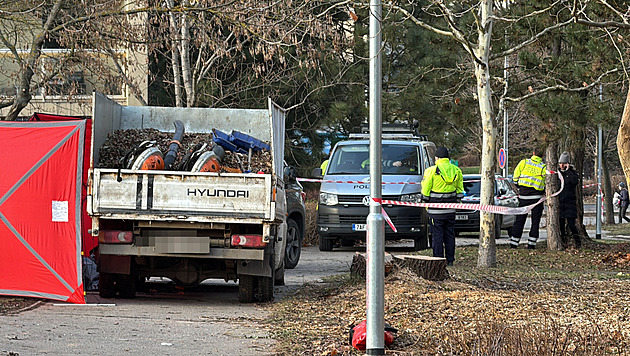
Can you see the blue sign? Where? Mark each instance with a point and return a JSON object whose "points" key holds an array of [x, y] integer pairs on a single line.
{"points": [[501, 158]]}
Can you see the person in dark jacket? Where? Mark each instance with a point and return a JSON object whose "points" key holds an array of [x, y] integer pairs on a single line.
{"points": [[567, 200], [623, 202]]}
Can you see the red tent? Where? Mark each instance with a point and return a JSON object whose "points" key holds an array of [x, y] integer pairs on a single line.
{"points": [[40, 215], [88, 242]]}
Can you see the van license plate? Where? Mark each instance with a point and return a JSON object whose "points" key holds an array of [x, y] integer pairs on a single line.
{"points": [[359, 227], [461, 217]]}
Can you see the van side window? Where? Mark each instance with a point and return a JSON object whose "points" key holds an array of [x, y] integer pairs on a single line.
{"points": [[427, 158]]}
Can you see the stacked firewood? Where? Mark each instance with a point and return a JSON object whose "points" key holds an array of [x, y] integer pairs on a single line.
{"points": [[120, 142]]}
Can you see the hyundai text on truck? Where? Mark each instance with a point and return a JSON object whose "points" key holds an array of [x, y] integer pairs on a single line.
{"points": [[345, 191], [188, 226]]}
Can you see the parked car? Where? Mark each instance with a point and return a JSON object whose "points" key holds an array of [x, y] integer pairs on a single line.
{"points": [[296, 210], [505, 194]]}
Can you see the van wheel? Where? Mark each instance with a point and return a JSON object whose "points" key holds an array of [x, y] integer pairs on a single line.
{"points": [[325, 244], [246, 288]]}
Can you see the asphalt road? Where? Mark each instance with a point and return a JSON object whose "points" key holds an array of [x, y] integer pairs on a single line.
{"points": [[207, 320]]}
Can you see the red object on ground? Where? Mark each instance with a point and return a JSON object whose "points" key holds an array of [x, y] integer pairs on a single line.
{"points": [[40, 215], [88, 242], [358, 335]]}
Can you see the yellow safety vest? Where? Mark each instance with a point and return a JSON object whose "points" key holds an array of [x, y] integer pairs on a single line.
{"points": [[531, 173]]}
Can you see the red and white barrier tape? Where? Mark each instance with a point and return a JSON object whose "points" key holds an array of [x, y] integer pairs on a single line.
{"points": [[495, 209]]}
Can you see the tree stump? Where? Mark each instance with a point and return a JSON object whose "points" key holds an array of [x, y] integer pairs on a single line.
{"points": [[359, 264], [430, 268]]}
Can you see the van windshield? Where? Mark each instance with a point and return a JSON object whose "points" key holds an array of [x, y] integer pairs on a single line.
{"points": [[355, 159]]}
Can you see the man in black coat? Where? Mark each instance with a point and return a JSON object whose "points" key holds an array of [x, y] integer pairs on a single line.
{"points": [[567, 200]]}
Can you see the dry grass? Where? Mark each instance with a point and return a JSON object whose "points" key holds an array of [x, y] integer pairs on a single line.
{"points": [[539, 302]]}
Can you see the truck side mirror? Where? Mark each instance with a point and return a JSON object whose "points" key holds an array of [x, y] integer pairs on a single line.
{"points": [[317, 173]]}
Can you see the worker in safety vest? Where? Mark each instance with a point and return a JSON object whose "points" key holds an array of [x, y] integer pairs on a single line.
{"points": [[529, 177], [443, 183]]}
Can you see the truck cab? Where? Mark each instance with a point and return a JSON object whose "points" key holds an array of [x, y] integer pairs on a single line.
{"points": [[345, 191]]}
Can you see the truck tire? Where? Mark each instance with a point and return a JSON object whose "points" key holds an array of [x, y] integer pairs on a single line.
{"points": [[325, 244], [265, 289], [106, 285], [246, 287], [127, 286], [294, 245]]}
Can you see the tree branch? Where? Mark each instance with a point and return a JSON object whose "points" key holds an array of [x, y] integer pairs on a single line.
{"points": [[560, 87]]}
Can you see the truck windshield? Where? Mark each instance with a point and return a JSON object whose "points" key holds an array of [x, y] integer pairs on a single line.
{"points": [[355, 159]]}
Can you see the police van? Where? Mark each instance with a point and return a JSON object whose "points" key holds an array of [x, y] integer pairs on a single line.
{"points": [[344, 206]]}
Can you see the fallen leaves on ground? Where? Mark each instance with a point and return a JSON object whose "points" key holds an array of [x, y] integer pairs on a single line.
{"points": [[541, 302]]}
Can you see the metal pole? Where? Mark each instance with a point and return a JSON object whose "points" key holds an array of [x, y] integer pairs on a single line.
{"points": [[505, 121], [375, 283], [598, 231]]}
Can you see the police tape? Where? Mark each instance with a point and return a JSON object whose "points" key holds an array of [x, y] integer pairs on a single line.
{"points": [[312, 180], [495, 209]]}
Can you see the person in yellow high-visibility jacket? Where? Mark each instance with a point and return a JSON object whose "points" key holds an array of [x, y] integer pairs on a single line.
{"points": [[529, 177], [442, 183]]}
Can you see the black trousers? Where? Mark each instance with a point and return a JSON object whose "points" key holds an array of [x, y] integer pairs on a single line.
{"points": [[574, 231], [443, 231], [622, 214], [519, 223]]}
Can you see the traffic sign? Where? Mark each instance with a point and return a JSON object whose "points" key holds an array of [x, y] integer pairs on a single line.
{"points": [[501, 158]]}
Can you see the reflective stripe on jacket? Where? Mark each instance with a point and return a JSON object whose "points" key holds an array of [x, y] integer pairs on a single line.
{"points": [[531, 173], [442, 183]]}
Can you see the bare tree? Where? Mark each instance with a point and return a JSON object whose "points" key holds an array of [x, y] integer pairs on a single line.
{"points": [[491, 92]]}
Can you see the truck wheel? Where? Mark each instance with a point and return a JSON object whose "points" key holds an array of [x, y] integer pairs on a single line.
{"points": [[265, 289], [246, 288], [106, 285], [127, 286], [325, 244], [294, 245]]}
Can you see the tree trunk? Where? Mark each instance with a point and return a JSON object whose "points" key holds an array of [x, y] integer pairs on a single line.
{"points": [[554, 240], [177, 75], [607, 189], [185, 61], [487, 256], [623, 139]]}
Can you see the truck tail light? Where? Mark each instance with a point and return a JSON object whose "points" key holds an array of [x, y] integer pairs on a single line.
{"points": [[303, 194], [248, 241], [115, 237]]}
